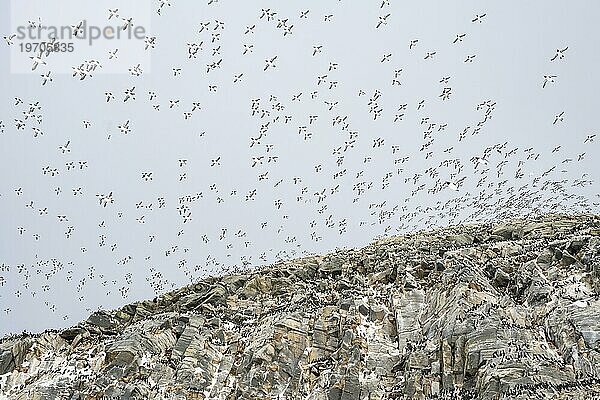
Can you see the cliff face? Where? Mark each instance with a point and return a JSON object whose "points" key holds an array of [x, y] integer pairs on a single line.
{"points": [[508, 311]]}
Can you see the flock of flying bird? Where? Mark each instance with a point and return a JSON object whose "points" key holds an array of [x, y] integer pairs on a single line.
{"points": [[433, 186]]}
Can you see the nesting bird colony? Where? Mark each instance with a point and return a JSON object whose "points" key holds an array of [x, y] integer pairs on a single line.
{"points": [[504, 311], [231, 161]]}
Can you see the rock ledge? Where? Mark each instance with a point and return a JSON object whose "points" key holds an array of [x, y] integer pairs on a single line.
{"points": [[498, 311]]}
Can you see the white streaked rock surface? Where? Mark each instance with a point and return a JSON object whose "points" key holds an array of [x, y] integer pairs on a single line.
{"points": [[508, 311]]}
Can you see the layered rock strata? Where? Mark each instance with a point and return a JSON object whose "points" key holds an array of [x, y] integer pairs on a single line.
{"points": [[497, 311]]}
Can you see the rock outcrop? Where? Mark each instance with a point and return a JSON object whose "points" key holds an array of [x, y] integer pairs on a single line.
{"points": [[498, 311]]}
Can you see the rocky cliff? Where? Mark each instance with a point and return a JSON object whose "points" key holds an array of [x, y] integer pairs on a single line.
{"points": [[499, 311]]}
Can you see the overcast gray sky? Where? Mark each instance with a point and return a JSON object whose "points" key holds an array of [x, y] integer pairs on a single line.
{"points": [[51, 279]]}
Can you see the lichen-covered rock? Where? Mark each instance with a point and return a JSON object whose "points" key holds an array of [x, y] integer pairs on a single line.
{"points": [[505, 311]]}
